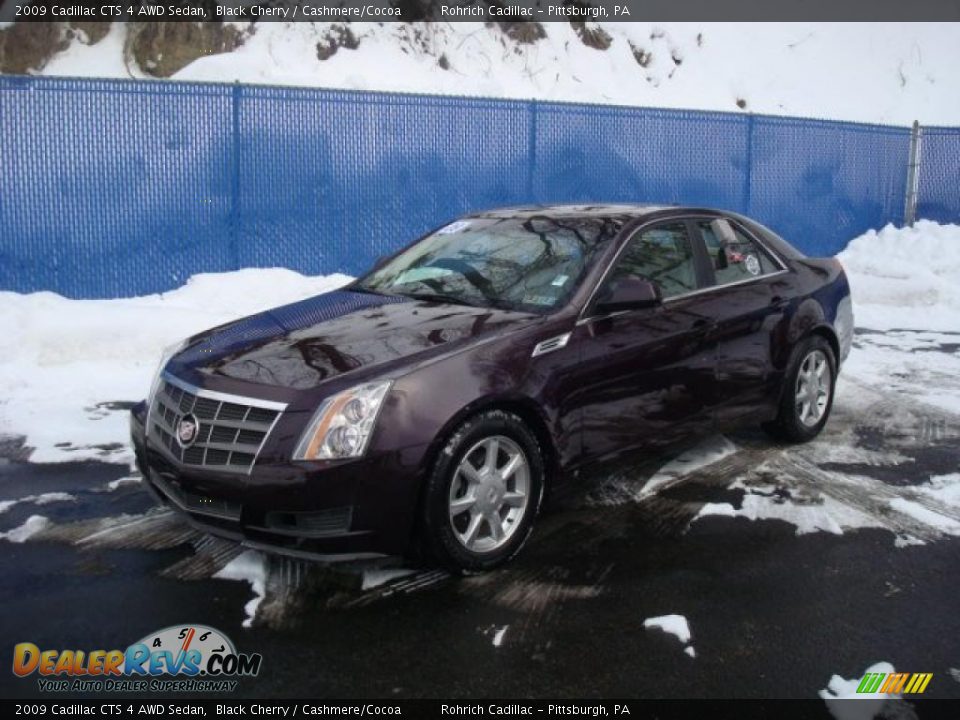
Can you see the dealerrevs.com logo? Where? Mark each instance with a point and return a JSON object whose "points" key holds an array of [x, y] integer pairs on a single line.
{"points": [[180, 658]]}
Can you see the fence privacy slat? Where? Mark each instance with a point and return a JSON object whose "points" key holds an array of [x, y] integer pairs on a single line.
{"points": [[114, 188]]}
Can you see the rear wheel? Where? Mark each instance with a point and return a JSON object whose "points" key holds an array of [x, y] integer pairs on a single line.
{"points": [[484, 493], [807, 394]]}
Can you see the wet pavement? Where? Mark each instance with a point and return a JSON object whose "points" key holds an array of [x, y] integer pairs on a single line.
{"points": [[790, 565]]}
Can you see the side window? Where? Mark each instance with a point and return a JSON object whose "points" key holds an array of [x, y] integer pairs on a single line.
{"points": [[733, 255], [662, 255]]}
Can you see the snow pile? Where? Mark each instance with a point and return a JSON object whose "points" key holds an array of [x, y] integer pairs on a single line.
{"points": [[675, 625], [901, 72], [250, 566], [61, 360], [906, 277], [840, 694], [33, 525]]}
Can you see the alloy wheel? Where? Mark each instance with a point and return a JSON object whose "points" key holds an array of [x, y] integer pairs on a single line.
{"points": [[489, 494], [813, 388]]}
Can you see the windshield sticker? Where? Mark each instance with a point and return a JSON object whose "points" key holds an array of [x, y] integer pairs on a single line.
{"points": [[419, 274], [454, 227], [538, 300], [752, 264], [560, 280]]}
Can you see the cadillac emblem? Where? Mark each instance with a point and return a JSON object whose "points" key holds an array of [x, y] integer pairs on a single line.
{"points": [[187, 430]]}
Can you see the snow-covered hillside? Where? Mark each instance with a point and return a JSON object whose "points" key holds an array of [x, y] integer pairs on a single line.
{"points": [[868, 72]]}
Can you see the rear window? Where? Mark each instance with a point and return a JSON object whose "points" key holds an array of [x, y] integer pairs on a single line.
{"points": [[734, 255]]}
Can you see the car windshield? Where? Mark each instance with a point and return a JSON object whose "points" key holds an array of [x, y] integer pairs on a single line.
{"points": [[529, 263]]}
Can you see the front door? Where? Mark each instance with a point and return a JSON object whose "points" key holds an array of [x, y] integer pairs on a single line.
{"points": [[646, 376]]}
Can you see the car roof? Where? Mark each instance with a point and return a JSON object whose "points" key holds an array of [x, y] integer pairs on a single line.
{"points": [[623, 213], [620, 211]]}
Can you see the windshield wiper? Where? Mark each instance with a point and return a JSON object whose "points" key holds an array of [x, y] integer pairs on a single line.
{"points": [[365, 289], [438, 297]]}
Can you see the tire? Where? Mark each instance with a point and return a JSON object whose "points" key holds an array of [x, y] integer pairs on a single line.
{"points": [[799, 420], [461, 503]]}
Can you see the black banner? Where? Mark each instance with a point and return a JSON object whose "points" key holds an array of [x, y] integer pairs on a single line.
{"points": [[568, 709], [476, 10]]}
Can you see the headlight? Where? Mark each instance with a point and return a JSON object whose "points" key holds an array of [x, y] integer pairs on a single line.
{"points": [[342, 425], [168, 352]]}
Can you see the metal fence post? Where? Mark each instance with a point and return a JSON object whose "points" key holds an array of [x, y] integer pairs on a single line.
{"points": [[748, 168], [531, 149], [913, 177], [235, 179]]}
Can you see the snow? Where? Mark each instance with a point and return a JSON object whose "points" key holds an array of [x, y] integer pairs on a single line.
{"points": [[33, 525], [622, 487], [906, 278], [839, 692], [905, 283], [900, 72], [675, 625], [902, 541], [44, 499], [945, 489], [381, 576], [761, 502], [926, 516], [61, 358], [122, 482], [249, 566], [105, 59]]}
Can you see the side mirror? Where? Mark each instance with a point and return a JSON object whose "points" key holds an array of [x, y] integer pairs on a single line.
{"points": [[629, 293]]}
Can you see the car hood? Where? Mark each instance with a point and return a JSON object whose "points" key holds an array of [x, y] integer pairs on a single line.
{"points": [[305, 344]]}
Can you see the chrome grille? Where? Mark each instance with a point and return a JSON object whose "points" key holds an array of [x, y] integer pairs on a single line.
{"points": [[230, 431]]}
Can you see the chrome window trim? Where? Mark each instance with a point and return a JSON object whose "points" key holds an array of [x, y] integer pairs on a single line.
{"points": [[583, 319], [745, 281]]}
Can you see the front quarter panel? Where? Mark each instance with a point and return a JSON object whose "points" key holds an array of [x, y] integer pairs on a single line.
{"points": [[425, 406]]}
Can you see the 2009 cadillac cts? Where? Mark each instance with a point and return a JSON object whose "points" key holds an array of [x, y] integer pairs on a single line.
{"points": [[429, 404]]}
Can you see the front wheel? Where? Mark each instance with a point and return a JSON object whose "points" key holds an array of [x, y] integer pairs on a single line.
{"points": [[483, 493], [807, 394]]}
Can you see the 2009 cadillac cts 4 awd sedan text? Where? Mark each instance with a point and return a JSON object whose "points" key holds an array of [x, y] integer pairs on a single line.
{"points": [[429, 404]]}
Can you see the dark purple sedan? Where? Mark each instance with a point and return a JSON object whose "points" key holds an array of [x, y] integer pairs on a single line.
{"points": [[427, 406]]}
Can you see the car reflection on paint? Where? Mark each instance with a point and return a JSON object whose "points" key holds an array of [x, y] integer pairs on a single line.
{"points": [[426, 407]]}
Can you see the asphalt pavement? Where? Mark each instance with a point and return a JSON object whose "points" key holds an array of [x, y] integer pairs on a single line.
{"points": [[777, 602]]}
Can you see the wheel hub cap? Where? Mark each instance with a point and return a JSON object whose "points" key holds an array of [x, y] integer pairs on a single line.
{"points": [[812, 393], [489, 494]]}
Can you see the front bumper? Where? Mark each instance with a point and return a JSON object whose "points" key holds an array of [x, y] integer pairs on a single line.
{"points": [[325, 510]]}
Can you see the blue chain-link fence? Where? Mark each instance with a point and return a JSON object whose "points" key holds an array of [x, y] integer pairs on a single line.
{"points": [[939, 182], [113, 188]]}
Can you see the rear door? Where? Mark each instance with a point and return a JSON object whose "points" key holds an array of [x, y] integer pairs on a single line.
{"points": [[748, 293], [646, 376]]}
